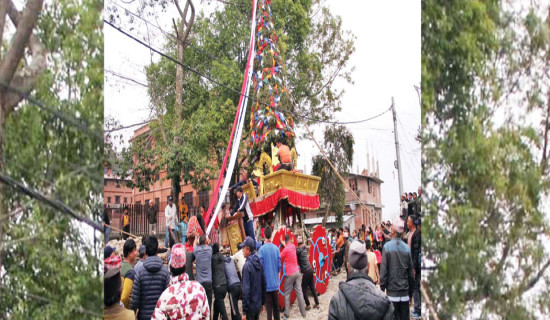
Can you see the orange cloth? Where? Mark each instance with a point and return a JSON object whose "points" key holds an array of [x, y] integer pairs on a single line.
{"points": [[340, 242], [126, 220], [184, 210], [284, 154]]}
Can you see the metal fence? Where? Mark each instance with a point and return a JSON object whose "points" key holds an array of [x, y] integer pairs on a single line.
{"points": [[139, 222]]}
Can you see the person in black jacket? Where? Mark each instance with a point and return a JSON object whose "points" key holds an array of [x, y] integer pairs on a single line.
{"points": [[358, 297], [150, 282], [254, 283], [307, 273], [416, 243], [107, 225], [396, 272], [219, 282]]}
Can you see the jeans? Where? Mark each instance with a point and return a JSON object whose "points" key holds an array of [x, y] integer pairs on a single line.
{"points": [[249, 229], [219, 306], [294, 281], [272, 305], [208, 288], [153, 228], [416, 293], [234, 296], [166, 237], [308, 282], [401, 310], [107, 232]]}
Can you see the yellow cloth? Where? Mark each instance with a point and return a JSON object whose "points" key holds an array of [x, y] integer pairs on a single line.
{"points": [[184, 211], [126, 297], [126, 220], [117, 312]]}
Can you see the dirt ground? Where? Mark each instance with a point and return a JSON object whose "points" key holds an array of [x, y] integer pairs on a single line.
{"points": [[313, 314]]}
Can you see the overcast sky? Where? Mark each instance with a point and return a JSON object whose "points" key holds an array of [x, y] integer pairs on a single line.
{"points": [[387, 62]]}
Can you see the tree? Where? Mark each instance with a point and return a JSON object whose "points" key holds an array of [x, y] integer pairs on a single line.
{"points": [[338, 145], [313, 48], [51, 141], [484, 217]]}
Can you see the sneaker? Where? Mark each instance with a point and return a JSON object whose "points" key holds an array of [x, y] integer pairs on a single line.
{"points": [[285, 317], [308, 308], [316, 306], [415, 315]]}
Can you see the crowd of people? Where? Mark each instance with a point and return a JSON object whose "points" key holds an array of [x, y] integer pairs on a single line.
{"points": [[382, 268]]}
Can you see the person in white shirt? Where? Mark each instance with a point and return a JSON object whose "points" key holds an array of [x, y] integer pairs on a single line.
{"points": [[170, 215]]}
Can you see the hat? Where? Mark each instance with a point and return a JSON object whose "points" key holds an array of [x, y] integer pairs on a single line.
{"points": [[299, 239], [358, 255], [398, 225], [249, 242], [417, 221], [112, 282], [170, 198], [108, 251], [177, 256], [112, 262]]}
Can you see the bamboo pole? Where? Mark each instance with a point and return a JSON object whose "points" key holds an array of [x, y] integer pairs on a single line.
{"points": [[131, 235]]}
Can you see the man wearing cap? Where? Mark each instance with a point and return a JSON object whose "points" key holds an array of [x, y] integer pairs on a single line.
{"points": [[111, 259], [244, 207], [396, 274], [142, 257], [254, 284], [271, 260], [112, 290], [293, 278], [127, 271], [183, 299], [149, 282], [307, 273], [170, 214], [358, 297]]}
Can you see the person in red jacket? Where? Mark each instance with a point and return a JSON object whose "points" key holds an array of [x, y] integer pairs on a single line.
{"points": [[293, 277]]}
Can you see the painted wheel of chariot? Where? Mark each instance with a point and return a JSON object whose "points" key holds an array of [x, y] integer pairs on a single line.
{"points": [[320, 258], [282, 274]]}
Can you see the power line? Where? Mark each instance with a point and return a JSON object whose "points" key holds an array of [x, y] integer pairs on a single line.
{"points": [[231, 89], [52, 203], [128, 126], [125, 77]]}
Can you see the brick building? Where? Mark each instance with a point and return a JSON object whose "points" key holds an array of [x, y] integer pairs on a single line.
{"points": [[367, 188]]}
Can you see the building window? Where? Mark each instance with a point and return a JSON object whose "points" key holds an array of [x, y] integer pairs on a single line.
{"points": [[108, 199], [117, 199], [203, 198], [157, 200], [125, 200], [370, 186], [147, 203], [188, 198], [104, 182], [118, 183], [157, 176]]}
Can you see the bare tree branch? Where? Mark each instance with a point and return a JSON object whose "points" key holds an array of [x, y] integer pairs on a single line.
{"points": [[20, 40]]}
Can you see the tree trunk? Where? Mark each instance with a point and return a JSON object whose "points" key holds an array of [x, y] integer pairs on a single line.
{"points": [[545, 135], [1, 206]]}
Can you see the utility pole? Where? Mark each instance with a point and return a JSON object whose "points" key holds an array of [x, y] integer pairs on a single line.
{"points": [[398, 162]]}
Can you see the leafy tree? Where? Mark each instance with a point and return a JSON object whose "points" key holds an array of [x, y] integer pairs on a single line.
{"points": [[51, 267], [314, 50], [338, 145], [484, 67]]}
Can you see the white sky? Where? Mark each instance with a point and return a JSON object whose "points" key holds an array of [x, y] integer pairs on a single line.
{"points": [[387, 62]]}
